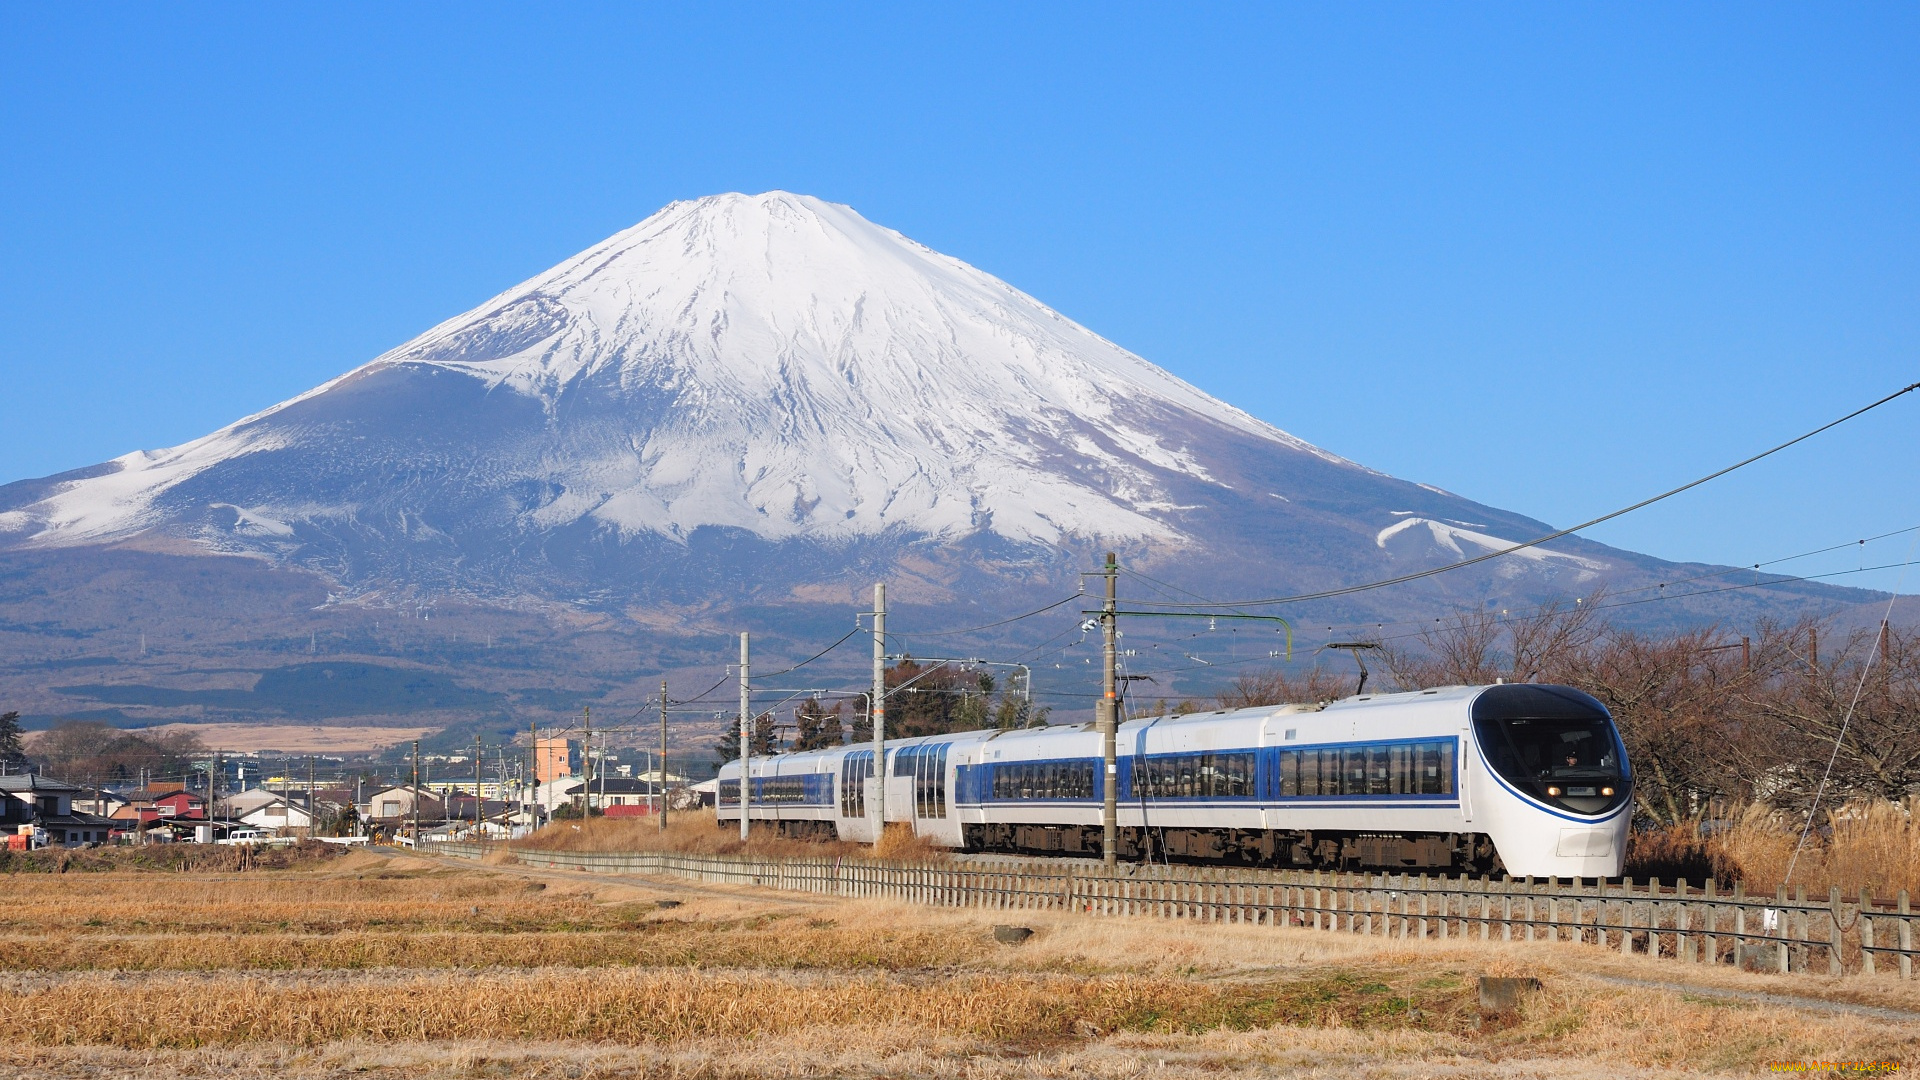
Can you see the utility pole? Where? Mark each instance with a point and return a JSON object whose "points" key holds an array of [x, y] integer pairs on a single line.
{"points": [[477, 759], [586, 763], [877, 710], [1107, 718], [533, 761], [746, 739], [660, 776], [311, 804], [500, 755], [416, 794]]}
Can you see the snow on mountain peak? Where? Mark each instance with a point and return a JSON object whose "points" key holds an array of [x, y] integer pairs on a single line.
{"points": [[773, 363]]}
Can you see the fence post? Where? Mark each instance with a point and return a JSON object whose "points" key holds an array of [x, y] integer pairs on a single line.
{"points": [[1783, 923], [1685, 946], [1906, 937], [1866, 932]]}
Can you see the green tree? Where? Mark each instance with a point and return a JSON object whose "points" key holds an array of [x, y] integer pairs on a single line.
{"points": [[728, 745], [13, 756], [816, 728]]}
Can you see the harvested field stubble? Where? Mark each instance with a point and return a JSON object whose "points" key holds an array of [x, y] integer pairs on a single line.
{"points": [[398, 966], [780, 943], [644, 1007]]}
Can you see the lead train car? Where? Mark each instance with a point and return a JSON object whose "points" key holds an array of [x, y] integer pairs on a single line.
{"points": [[1523, 778]]}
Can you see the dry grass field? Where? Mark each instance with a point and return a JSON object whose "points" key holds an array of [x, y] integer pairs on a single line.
{"points": [[384, 965]]}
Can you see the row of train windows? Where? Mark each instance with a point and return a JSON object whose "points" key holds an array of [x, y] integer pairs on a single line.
{"points": [[780, 789], [1044, 780], [766, 789], [1410, 768], [1195, 776]]}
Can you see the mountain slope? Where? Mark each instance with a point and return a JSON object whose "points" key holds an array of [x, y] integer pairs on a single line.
{"points": [[738, 413], [772, 365]]}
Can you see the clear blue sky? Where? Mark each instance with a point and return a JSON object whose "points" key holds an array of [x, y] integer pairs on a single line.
{"points": [[1551, 257]]}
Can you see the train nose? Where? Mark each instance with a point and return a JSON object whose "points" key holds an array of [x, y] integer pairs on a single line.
{"points": [[1585, 843]]}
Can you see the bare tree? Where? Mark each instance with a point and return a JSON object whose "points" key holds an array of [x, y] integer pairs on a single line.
{"points": [[1676, 702], [1276, 687], [1803, 711], [1473, 648]]}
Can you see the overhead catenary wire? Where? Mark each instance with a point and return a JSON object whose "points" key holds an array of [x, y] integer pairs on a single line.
{"points": [[811, 659], [1783, 579], [1002, 622]]}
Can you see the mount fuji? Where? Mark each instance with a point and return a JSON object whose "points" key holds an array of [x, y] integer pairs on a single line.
{"points": [[746, 407]]}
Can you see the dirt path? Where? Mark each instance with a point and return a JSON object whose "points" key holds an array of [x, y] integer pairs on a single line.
{"points": [[1759, 997]]}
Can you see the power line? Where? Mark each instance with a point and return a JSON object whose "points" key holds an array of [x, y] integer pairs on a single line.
{"points": [[811, 659], [1535, 542], [1002, 622]]}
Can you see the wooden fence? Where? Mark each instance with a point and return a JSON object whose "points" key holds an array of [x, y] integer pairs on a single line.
{"points": [[1833, 934]]}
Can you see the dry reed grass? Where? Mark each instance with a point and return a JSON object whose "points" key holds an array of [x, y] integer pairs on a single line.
{"points": [[1871, 845], [1867, 845]]}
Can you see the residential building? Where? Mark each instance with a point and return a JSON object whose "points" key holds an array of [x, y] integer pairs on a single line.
{"points": [[396, 804], [44, 808], [281, 818]]}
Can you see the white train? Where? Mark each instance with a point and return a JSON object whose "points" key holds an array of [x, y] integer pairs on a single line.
{"points": [[1525, 779]]}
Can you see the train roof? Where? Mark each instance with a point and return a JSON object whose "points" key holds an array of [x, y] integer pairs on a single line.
{"points": [[1436, 696], [1439, 694]]}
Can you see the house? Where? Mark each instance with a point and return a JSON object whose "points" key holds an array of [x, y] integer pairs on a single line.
{"points": [[281, 816], [44, 808], [101, 801], [610, 793], [241, 803], [174, 804], [396, 804]]}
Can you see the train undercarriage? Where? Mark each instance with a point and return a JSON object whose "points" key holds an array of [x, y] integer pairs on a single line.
{"points": [[1317, 850]]}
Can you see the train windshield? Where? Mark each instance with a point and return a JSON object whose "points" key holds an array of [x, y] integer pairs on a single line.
{"points": [[1552, 740], [1551, 749]]}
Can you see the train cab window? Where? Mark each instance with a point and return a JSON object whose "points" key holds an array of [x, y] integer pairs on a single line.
{"points": [[1553, 743]]}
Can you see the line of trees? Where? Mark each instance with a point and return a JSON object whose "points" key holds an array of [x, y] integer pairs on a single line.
{"points": [[922, 699], [1709, 719], [84, 752]]}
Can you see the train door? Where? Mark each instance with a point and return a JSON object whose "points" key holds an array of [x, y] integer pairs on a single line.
{"points": [[925, 767], [856, 795]]}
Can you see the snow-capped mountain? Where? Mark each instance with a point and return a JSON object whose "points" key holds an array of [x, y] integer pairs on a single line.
{"points": [[737, 414], [775, 364], [754, 395]]}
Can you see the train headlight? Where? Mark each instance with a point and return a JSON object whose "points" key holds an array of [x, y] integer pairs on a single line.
{"points": [[1606, 791], [1554, 791]]}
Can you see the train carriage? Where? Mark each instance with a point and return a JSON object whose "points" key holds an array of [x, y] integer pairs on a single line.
{"points": [[1530, 779]]}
